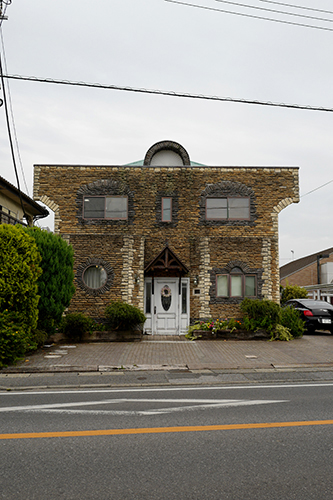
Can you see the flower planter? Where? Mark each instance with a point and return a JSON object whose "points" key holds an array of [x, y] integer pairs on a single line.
{"points": [[105, 336], [114, 336], [231, 335]]}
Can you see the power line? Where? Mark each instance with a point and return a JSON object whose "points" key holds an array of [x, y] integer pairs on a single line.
{"points": [[276, 11], [316, 189], [170, 93], [298, 6], [10, 135], [12, 114], [250, 15]]}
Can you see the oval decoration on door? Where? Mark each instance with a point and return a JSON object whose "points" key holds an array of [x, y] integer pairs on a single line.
{"points": [[166, 297]]}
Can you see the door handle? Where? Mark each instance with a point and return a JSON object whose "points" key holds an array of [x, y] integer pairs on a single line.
{"points": [[154, 309]]}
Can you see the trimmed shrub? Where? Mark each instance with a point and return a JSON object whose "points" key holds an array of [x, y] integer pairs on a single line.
{"points": [[291, 319], [123, 316], [19, 271], [55, 285], [14, 341], [293, 292], [260, 314], [75, 325]]}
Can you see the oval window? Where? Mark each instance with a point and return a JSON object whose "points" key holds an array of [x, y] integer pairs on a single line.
{"points": [[94, 277]]}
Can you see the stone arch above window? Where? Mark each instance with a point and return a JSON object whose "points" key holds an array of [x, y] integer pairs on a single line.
{"points": [[89, 283], [171, 146], [232, 283], [228, 190], [106, 188]]}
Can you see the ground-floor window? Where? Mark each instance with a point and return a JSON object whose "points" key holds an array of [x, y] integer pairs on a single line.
{"points": [[236, 284]]}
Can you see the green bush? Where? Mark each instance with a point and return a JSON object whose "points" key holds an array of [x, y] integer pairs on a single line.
{"points": [[290, 318], [123, 316], [75, 325], [14, 341], [280, 332], [39, 337], [55, 285], [293, 292], [260, 314], [19, 271]]}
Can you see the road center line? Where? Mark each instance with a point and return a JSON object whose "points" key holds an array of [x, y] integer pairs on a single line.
{"points": [[163, 430]]}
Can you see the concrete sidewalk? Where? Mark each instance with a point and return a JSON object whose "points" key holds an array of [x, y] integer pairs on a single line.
{"points": [[311, 351]]}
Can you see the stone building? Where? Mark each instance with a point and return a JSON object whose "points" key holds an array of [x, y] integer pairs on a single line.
{"points": [[180, 240]]}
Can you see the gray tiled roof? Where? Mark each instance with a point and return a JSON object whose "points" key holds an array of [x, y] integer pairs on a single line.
{"points": [[296, 265]]}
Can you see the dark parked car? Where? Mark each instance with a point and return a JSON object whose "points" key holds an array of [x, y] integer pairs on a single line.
{"points": [[317, 314]]}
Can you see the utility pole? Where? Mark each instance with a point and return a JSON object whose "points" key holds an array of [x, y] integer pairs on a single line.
{"points": [[2, 16]]}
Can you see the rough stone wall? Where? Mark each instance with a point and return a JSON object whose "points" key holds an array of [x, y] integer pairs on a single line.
{"points": [[128, 247]]}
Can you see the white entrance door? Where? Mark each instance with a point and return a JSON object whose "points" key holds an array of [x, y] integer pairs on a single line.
{"points": [[166, 306], [166, 310]]}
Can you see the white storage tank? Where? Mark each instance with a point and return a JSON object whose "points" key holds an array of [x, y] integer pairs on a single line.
{"points": [[327, 273]]}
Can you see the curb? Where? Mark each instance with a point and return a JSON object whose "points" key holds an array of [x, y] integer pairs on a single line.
{"points": [[178, 367]]}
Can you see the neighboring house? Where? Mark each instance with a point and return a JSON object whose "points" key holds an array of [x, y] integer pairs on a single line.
{"points": [[313, 272], [181, 241], [11, 211]]}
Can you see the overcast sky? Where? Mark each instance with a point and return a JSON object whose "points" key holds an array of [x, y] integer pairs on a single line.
{"points": [[155, 44]]}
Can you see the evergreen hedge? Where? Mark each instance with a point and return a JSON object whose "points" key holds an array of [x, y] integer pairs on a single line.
{"points": [[19, 272], [55, 285]]}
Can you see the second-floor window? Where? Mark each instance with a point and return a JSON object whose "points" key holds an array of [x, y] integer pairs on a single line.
{"points": [[227, 208], [166, 209], [105, 207]]}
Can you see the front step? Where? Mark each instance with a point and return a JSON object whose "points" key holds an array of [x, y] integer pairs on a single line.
{"points": [[164, 338]]}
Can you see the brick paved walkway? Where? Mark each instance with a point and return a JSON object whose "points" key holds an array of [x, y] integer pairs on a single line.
{"points": [[315, 350]]}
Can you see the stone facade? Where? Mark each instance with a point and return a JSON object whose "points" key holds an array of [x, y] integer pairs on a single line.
{"points": [[124, 248]]}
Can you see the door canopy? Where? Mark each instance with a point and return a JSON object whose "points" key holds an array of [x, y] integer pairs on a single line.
{"points": [[166, 264]]}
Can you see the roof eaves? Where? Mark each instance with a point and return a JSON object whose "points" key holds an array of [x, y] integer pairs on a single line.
{"points": [[27, 201]]}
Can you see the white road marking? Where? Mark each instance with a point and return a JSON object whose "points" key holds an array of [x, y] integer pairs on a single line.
{"points": [[201, 404]]}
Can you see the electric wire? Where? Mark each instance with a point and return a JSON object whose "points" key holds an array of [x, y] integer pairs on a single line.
{"points": [[316, 189], [169, 93], [242, 14], [276, 11], [298, 6], [12, 114], [10, 135]]}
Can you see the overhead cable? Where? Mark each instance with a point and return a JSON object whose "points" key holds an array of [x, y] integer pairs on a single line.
{"points": [[170, 93], [298, 6], [276, 11], [316, 189], [323, 28], [12, 114], [10, 135]]}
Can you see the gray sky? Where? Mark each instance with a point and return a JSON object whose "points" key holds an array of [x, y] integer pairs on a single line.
{"points": [[154, 44]]}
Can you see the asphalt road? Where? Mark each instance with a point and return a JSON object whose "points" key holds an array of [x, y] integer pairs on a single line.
{"points": [[234, 442]]}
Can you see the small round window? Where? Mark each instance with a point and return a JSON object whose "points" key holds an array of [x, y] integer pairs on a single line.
{"points": [[95, 277]]}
